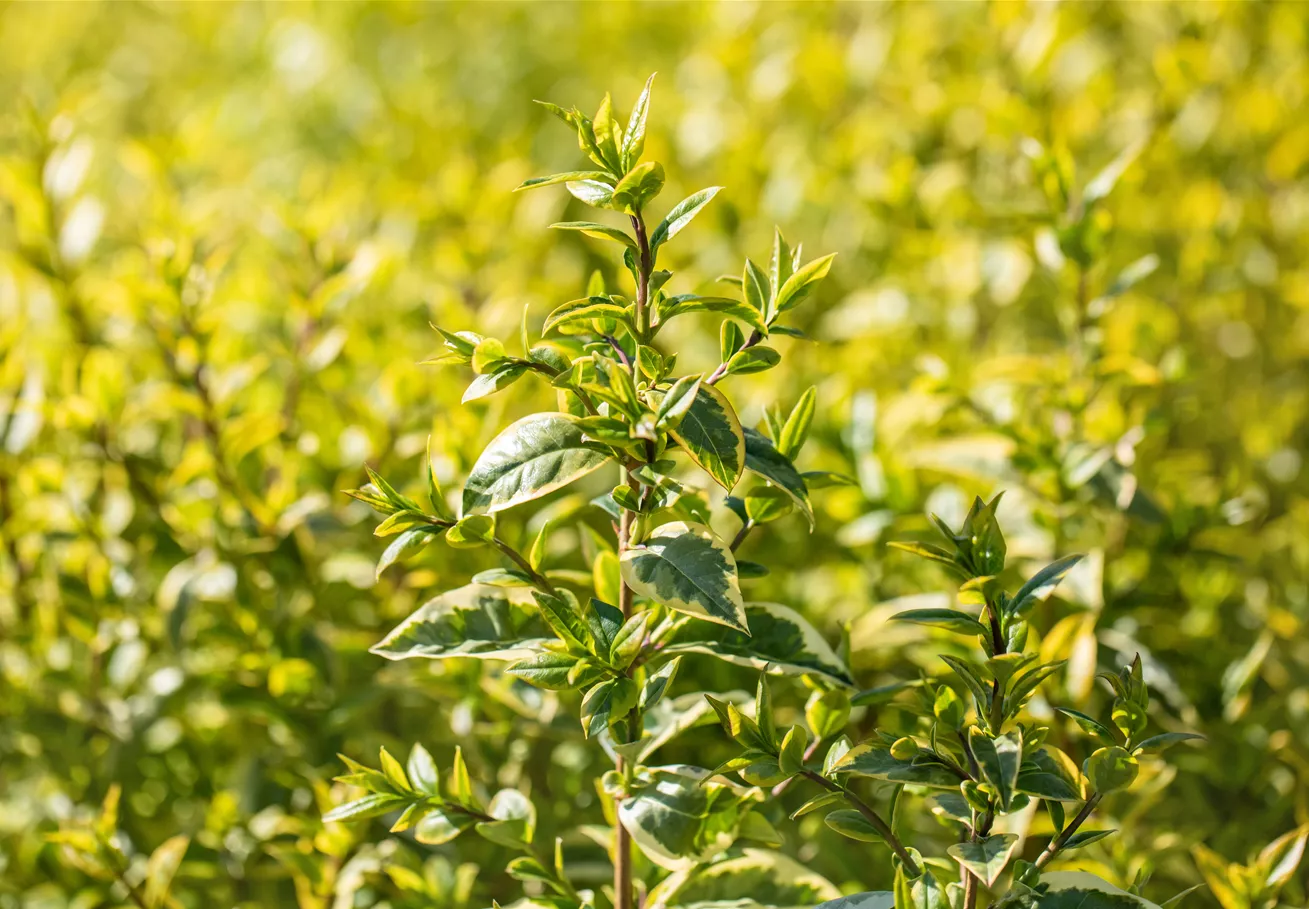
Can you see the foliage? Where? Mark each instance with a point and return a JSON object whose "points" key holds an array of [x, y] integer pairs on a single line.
{"points": [[224, 231]]}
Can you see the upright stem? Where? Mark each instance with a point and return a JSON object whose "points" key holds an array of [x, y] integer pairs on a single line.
{"points": [[624, 897]]}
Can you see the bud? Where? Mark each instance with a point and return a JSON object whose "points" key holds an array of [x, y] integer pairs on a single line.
{"points": [[904, 749], [949, 707], [1110, 768]]}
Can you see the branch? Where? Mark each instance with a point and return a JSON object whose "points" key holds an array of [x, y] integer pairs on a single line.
{"points": [[878, 822], [1058, 842]]}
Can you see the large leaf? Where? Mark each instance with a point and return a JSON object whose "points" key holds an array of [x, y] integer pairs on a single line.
{"points": [[1073, 890], [763, 458], [679, 816], [878, 763], [711, 434], [986, 859], [478, 620], [780, 640], [687, 568], [869, 899], [755, 879], [532, 457]]}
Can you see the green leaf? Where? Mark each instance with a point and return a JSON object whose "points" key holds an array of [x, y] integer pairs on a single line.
{"points": [[600, 231], [605, 621], [641, 184], [634, 136], [869, 899], [366, 807], [162, 867], [767, 503], [437, 827], [584, 310], [852, 824], [687, 568], [1110, 768], [878, 762], [606, 703], [780, 640], [986, 859], [763, 459], [681, 215], [550, 670], [630, 638], [949, 619], [677, 402], [822, 800], [796, 430], [422, 772], [999, 760], [592, 192], [482, 621], [1090, 725], [471, 531], [757, 294], [490, 383], [748, 879], [711, 435], [597, 175], [1041, 585], [1076, 890], [657, 684], [515, 820], [1050, 774], [733, 309], [680, 816], [801, 284], [565, 622], [753, 359], [531, 458], [1164, 741], [1085, 838], [405, 544]]}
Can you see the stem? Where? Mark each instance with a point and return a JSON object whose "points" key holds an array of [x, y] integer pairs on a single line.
{"points": [[741, 534], [879, 824], [970, 889], [1058, 842], [516, 557], [755, 338], [624, 896]]}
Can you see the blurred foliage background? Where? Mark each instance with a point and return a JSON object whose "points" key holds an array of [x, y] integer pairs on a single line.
{"points": [[225, 228]]}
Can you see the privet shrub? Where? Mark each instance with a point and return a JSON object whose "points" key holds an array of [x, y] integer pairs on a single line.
{"points": [[663, 583]]}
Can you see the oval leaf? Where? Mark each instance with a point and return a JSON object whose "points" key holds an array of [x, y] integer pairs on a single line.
{"points": [[687, 568], [532, 457], [711, 435]]}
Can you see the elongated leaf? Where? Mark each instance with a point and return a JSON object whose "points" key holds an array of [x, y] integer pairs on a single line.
{"points": [[366, 807], [688, 303], [1076, 890], [681, 215], [1165, 740], [478, 620], [754, 879], [405, 544], [585, 309], [1041, 585], [1051, 774], [1089, 724], [852, 824], [679, 816], [532, 457], [162, 867], [687, 568], [634, 136], [869, 899], [763, 458], [567, 177], [711, 435], [949, 619], [780, 640], [878, 763], [600, 231], [803, 283], [491, 382], [986, 859], [999, 759]]}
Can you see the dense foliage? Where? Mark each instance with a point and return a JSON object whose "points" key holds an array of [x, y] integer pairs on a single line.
{"points": [[224, 231]]}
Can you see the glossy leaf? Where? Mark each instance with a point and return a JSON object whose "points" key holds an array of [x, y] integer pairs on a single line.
{"points": [[529, 459], [685, 567]]}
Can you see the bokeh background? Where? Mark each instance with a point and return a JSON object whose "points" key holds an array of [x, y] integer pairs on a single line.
{"points": [[225, 228]]}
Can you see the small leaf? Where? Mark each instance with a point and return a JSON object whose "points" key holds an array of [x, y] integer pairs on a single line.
{"points": [[949, 619], [803, 283], [681, 215], [796, 430], [571, 175], [422, 771], [634, 135], [600, 231], [1041, 585], [852, 824], [404, 545]]}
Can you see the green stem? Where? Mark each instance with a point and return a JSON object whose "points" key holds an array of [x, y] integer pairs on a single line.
{"points": [[879, 823], [1058, 842]]}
